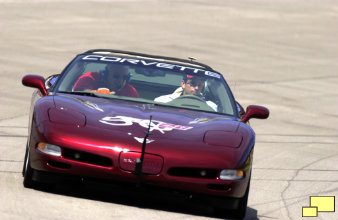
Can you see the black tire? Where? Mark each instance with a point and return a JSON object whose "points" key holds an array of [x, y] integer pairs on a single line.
{"points": [[238, 213], [243, 203], [28, 181], [24, 161]]}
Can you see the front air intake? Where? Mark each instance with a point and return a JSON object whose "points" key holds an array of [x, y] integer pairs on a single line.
{"points": [[193, 172], [85, 157]]}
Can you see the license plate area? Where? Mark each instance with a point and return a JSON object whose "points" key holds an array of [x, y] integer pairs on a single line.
{"points": [[152, 164]]}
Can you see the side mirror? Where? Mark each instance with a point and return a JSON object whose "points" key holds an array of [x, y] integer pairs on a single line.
{"points": [[35, 81], [255, 111], [50, 81]]}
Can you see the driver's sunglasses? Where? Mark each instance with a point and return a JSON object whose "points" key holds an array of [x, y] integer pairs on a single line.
{"points": [[196, 83], [119, 76]]}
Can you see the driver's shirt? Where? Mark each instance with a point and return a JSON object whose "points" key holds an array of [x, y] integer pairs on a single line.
{"points": [[177, 93], [93, 80]]}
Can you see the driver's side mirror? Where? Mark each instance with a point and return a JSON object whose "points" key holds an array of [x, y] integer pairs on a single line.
{"points": [[255, 111], [35, 81]]}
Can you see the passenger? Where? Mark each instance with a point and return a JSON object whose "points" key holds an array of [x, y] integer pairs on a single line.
{"points": [[114, 80], [190, 85]]}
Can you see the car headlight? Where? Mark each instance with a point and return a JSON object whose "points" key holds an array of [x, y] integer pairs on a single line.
{"points": [[223, 138], [49, 149], [231, 174], [66, 116]]}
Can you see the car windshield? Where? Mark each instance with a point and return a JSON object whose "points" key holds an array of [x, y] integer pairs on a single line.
{"points": [[147, 80]]}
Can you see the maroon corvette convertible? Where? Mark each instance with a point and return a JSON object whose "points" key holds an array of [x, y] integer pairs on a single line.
{"points": [[142, 120]]}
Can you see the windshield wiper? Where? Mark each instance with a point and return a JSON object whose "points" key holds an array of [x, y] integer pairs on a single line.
{"points": [[80, 93]]}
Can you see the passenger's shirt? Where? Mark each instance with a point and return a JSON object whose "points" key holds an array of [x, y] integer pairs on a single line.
{"points": [[177, 93]]}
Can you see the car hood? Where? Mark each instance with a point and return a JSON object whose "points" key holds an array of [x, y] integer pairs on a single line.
{"points": [[133, 118], [88, 123]]}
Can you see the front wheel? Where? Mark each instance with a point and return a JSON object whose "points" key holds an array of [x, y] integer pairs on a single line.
{"points": [[27, 172], [238, 213], [243, 203], [24, 163]]}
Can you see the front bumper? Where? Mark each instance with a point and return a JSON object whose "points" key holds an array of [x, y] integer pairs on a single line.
{"points": [[70, 167]]}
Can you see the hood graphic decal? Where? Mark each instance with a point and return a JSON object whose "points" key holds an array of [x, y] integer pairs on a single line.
{"points": [[92, 106], [154, 125], [85, 102], [205, 120], [140, 140]]}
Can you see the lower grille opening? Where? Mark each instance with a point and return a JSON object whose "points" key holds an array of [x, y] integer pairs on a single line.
{"points": [[87, 157], [193, 172], [218, 187], [59, 165]]}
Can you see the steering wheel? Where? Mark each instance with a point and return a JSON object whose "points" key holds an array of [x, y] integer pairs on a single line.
{"points": [[190, 97], [191, 101]]}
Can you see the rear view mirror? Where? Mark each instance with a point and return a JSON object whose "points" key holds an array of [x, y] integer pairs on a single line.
{"points": [[149, 72]]}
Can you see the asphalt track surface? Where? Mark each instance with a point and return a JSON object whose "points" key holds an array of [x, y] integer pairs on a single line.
{"points": [[280, 54]]}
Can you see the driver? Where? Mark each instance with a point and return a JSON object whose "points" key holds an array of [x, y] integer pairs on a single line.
{"points": [[114, 80], [190, 85]]}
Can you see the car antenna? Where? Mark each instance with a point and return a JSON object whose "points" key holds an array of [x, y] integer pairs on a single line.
{"points": [[192, 59], [139, 161]]}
